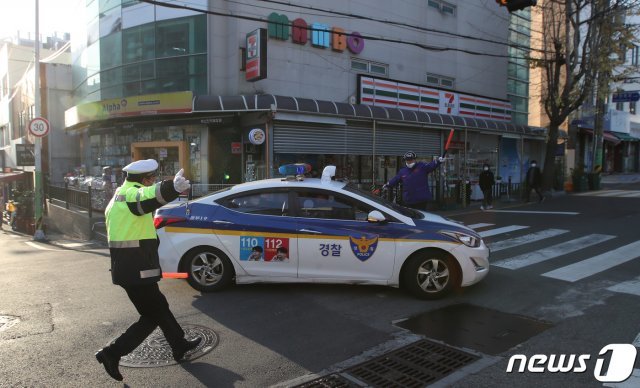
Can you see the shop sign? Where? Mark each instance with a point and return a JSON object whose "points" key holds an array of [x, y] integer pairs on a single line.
{"points": [[162, 153], [256, 136], [393, 94], [236, 147], [322, 35], [25, 155], [256, 55], [225, 120], [626, 97], [150, 104]]}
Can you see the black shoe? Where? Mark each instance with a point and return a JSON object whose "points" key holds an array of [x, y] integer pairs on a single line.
{"points": [[110, 363], [190, 345]]}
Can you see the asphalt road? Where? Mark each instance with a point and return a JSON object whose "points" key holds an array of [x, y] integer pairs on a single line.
{"points": [[282, 334]]}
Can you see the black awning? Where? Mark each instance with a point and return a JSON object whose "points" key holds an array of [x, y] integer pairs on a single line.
{"points": [[267, 102]]}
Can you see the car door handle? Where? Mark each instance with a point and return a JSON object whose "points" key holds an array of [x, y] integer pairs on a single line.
{"points": [[222, 222], [309, 231]]}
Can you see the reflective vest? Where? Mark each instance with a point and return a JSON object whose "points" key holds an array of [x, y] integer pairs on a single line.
{"points": [[125, 228], [133, 242]]}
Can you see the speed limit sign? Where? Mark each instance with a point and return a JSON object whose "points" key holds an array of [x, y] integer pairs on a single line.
{"points": [[39, 127]]}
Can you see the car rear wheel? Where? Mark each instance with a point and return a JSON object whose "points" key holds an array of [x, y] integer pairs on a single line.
{"points": [[431, 275], [209, 269]]}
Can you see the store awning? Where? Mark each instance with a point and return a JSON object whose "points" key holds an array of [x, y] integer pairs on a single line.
{"points": [[606, 135], [624, 136], [6, 177], [269, 102]]}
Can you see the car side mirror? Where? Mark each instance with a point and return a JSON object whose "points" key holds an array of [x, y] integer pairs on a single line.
{"points": [[375, 216]]}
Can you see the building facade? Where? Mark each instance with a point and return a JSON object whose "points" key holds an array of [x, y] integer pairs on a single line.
{"points": [[338, 83]]}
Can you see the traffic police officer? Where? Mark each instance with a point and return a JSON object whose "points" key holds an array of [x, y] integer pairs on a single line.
{"points": [[135, 265], [415, 184]]}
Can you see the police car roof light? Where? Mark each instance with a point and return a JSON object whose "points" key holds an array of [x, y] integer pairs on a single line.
{"points": [[328, 173]]}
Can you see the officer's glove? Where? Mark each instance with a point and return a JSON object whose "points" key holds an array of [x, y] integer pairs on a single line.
{"points": [[441, 159], [180, 183], [385, 186]]}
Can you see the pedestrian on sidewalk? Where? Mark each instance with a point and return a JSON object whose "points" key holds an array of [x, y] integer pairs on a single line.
{"points": [[534, 181], [415, 182], [135, 266], [486, 185]]}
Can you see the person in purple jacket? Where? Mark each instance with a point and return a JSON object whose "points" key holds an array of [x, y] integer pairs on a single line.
{"points": [[415, 183]]}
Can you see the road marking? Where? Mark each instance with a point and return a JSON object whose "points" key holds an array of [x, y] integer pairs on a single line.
{"points": [[38, 246], [600, 193], [535, 257], [534, 212], [480, 225], [527, 238], [73, 244], [593, 265], [629, 195], [505, 229], [636, 341], [629, 287]]}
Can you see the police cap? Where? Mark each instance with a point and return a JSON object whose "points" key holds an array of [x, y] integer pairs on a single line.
{"points": [[140, 167]]}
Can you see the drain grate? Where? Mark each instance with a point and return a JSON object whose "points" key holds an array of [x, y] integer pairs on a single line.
{"points": [[415, 365], [155, 350], [6, 321], [330, 381]]}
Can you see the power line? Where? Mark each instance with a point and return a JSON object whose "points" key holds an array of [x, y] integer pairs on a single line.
{"points": [[373, 38], [399, 24]]}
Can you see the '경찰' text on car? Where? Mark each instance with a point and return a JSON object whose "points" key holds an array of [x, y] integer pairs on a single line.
{"points": [[316, 231]]}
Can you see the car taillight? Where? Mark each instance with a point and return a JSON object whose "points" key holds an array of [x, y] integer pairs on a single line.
{"points": [[162, 221]]}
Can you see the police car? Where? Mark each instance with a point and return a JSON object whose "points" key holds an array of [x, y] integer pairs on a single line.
{"points": [[310, 230]]}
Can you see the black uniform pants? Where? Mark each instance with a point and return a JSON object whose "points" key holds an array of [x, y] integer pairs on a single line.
{"points": [[418, 205], [154, 311]]}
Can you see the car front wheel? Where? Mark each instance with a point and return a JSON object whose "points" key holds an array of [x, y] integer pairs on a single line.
{"points": [[209, 269], [430, 275]]}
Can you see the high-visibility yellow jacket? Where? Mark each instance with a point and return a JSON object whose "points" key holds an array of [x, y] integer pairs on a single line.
{"points": [[133, 242]]}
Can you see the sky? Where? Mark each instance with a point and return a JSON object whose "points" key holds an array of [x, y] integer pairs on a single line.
{"points": [[55, 15]]}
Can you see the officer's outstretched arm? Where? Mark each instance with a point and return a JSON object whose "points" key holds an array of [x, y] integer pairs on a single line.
{"points": [[147, 199]]}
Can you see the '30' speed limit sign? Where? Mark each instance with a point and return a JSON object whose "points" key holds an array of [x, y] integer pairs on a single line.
{"points": [[39, 127]]}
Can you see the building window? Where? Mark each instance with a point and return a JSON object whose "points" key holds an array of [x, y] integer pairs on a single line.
{"points": [[620, 106], [441, 81], [632, 107], [443, 7], [635, 55], [365, 66]]}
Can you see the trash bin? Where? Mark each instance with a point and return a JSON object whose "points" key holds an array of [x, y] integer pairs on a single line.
{"points": [[580, 183], [594, 180]]}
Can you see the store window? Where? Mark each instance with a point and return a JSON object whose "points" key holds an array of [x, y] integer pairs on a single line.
{"points": [[632, 107], [441, 81]]}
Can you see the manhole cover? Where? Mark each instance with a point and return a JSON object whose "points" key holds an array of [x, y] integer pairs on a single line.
{"points": [[473, 327], [155, 350], [415, 365], [6, 321]]}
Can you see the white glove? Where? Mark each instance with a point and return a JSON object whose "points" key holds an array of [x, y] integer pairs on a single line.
{"points": [[441, 159], [180, 183], [385, 186]]}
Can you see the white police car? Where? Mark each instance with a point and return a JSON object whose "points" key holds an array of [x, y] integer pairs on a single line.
{"points": [[316, 231]]}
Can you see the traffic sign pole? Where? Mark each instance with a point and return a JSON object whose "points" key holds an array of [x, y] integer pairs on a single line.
{"points": [[39, 233]]}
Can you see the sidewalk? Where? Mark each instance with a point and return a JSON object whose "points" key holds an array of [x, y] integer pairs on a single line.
{"points": [[620, 178]]}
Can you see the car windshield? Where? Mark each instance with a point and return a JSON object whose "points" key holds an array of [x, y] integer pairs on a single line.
{"points": [[405, 211]]}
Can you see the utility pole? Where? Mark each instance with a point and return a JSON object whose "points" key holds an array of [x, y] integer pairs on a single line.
{"points": [[602, 88], [39, 233]]}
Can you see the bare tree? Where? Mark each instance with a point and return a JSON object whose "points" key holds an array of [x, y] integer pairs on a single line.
{"points": [[576, 41]]}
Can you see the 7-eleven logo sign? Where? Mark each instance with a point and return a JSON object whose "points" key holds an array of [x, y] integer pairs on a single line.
{"points": [[449, 103]]}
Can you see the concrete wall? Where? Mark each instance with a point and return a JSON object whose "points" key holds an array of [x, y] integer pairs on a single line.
{"points": [[307, 71], [72, 223]]}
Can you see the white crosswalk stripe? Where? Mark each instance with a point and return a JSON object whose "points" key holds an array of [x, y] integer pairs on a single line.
{"points": [[629, 287], [527, 238], [535, 257], [596, 264], [478, 226], [611, 193], [504, 229]]}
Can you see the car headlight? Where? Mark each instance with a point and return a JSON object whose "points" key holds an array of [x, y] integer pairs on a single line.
{"points": [[466, 239]]}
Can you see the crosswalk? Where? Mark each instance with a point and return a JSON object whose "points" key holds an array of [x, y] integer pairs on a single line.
{"points": [[611, 193], [518, 247]]}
